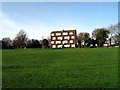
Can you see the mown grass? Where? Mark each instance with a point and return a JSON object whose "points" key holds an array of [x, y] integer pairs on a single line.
{"points": [[60, 68]]}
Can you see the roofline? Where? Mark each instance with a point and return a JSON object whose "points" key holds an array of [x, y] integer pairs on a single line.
{"points": [[64, 30], [56, 31]]}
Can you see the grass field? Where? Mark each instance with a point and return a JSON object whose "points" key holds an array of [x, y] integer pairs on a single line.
{"points": [[60, 68]]}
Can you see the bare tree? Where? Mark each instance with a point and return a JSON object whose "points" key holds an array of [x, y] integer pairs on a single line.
{"points": [[115, 33], [20, 39]]}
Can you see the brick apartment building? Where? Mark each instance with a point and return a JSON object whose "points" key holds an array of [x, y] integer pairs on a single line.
{"points": [[64, 38]]}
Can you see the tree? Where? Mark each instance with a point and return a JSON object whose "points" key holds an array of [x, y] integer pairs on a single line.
{"points": [[118, 39], [20, 39], [29, 43], [33, 43], [48, 38], [90, 42], [0, 44], [36, 44], [82, 38], [100, 34], [6, 43], [45, 43], [115, 33]]}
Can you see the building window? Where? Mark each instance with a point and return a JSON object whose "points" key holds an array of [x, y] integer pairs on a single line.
{"points": [[65, 33], [71, 41], [57, 34], [73, 45], [52, 34], [54, 46], [59, 46], [59, 38], [58, 42], [54, 38], [52, 42], [66, 45], [67, 37], [72, 37], [71, 33], [64, 42]]}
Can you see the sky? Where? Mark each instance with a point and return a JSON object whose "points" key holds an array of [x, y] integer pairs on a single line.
{"points": [[39, 19]]}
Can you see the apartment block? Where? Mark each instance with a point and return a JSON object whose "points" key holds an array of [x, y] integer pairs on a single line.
{"points": [[63, 39]]}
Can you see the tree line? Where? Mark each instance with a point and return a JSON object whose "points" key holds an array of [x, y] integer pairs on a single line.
{"points": [[99, 37], [21, 41]]}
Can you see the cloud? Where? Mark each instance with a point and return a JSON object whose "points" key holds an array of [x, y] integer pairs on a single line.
{"points": [[35, 30], [10, 28], [7, 26]]}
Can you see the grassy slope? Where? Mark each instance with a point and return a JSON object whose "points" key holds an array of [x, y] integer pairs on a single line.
{"points": [[81, 68]]}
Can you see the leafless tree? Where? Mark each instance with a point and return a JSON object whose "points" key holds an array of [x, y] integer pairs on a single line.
{"points": [[115, 33], [20, 39]]}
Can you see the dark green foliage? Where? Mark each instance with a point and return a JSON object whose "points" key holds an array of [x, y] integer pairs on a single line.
{"points": [[45, 43], [82, 38], [6, 43], [91, 42], [79, 44], [33, 43], [100, 34]]}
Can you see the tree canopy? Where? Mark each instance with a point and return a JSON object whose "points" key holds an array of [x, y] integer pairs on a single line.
{"points": [[82, 38], [100, 34]]}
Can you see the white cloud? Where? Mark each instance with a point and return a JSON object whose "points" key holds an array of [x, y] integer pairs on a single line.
{"points": [[34, 30], [10, 28]]}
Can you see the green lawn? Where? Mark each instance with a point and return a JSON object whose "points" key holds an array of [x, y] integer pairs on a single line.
{"points": [[60, 68]]}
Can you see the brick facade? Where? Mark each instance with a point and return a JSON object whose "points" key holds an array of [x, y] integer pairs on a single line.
{"points": [[64, 38]]}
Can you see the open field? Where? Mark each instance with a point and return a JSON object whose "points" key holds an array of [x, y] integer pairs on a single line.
{"points": [[60, 68]]}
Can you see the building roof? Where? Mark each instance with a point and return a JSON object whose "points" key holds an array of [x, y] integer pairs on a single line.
{"points": [[63, 31], [56, 31]]}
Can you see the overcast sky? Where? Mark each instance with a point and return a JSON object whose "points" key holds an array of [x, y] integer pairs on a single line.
{"points": [[40, 18]]}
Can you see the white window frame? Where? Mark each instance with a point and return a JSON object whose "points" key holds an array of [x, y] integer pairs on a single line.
{"points": [[57, 34], [59, 46], [66, 45], [67, 37], [64, 42], [59, 38], [52, 34], [52, 42], [65, 33], [53, 46], [73, 37], [58, 42], [71, 41], [73, 45], [71, 33], [53, 38]]}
